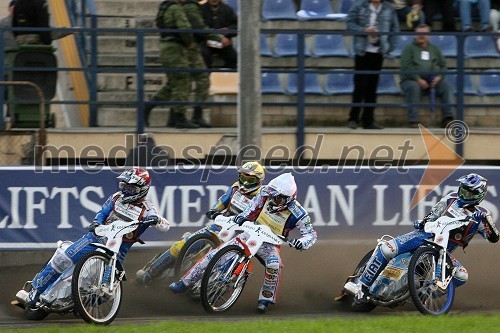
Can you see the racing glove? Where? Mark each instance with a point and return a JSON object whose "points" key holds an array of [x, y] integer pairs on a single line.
{"points": [[296, 243], [92, 226], [212, 214], [419, 224], [478, 216], [151, 220]]}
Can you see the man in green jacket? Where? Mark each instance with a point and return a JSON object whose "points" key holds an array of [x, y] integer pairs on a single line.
{"points": [[420, 55]]}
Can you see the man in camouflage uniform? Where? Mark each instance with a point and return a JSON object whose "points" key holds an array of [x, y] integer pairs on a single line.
{"points": [[174, 54], [201, 80]]}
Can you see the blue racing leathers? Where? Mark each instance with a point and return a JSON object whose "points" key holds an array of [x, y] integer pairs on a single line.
{"points": [[448, 206], [113, 209]]}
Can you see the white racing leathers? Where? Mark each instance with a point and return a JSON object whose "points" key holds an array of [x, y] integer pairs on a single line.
{"points": [[281, 222]]}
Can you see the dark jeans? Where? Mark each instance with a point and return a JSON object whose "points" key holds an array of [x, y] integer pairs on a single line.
{"points": [[228, 54], [445, 7], [365, 86]]}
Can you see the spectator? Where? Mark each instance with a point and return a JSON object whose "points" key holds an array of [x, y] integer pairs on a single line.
{"points": [[31, 14], [9, 41], [174, 54], [218, 15], [370, 16], [409, 12], [445, 7], [466, 14], [495, 19], [420, 55], [34, 14], [201, 80]]}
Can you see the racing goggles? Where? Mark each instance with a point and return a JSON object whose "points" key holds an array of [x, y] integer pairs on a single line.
{"points": [[128, 189], [280, 199], [466, 194], [248, 179]]}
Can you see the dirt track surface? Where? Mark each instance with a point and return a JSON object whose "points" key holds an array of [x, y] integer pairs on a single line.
{"points": [[310, 281]]}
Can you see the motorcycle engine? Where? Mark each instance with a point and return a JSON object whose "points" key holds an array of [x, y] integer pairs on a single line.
{"points": [[393, 281]]}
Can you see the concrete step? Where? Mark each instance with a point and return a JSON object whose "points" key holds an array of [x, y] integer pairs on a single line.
{"points": [[126, 43], [127, 8], [128, 82]]}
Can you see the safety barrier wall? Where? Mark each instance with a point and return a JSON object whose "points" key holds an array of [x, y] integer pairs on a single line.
{"points": [[39, 207]]}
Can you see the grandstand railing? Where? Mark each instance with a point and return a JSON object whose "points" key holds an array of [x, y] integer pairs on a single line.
{"points": [[90, 51]]}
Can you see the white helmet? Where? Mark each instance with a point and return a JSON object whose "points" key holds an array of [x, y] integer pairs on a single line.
{"points": [[282, 190]]}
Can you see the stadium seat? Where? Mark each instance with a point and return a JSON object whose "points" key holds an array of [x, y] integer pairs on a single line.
{"points": [[480, 47], [315, 10], [469, 88], [446, 43], [265, 51], [271, 84], [286, 45], [489, 83], [311, 84], [402, 42], [222, 83], [233, 4], [339, 84], [329, 46], [278, 10], [387, 85]]}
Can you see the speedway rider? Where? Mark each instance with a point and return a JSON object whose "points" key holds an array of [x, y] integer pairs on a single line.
{"points": [[250, 178], [128, 204], [465, 202], [275, 206]]}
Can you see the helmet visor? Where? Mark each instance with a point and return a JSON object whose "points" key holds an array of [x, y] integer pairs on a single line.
{"points": [[280, 199], [248, 180], [129, 189], [466, 194]]}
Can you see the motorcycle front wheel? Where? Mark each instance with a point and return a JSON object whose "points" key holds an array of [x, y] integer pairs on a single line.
{"points": [[428, 298], [224, 279], [93, 302]]}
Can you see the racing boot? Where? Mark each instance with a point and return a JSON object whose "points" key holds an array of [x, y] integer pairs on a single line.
{"points": [[359, 291], [262, 306], [178, 287], [33, 298], [182, 122], [143, 277], [198, 117]]}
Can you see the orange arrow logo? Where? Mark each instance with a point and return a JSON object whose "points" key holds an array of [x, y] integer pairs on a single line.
{"points": [[443, 161]]}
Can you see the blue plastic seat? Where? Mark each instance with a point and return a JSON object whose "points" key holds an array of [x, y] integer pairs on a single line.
{"points": [[387, 85], [278, 10], [311, 84], [402, 42], [315, 9], [339, 84], [329, 46], [233, 4], [271, 84], [469, 88], [286, 45], [265, 51], [446, 43], [489, 83], [480, 47]]}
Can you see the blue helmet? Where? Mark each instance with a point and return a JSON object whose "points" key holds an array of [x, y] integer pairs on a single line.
{"points": [[472, 189]]}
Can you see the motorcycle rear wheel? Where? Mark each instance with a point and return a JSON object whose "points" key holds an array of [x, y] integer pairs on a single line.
{"points": [[193, 250], [428, 298], [36, 313], [219, 290], [91, 302]]}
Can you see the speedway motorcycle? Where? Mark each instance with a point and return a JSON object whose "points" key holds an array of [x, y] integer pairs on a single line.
{"points": [[424, 276], [91, 289], [230, 268]]}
